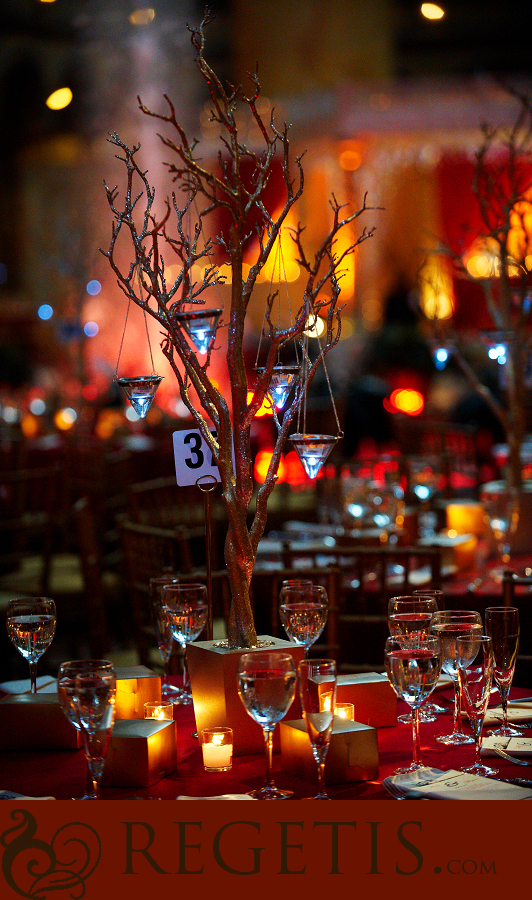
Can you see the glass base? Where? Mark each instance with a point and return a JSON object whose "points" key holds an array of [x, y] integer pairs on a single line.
{"points": [[479, 769], [184, 698], [404, 770], [270, 793], [435, 709], [171, 693], [425, 715], [320, 796], [457, 738], [506, 732]]}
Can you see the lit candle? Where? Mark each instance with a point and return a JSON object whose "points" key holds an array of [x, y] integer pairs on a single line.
{"points": [[466, 517], [217, 749], [345, 711], [159, 709]]}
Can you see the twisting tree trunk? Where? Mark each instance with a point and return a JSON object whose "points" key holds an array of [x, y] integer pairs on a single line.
{"points": [[155, 243]]}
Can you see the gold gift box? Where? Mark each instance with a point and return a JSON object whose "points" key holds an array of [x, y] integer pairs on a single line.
{"points": [[372, 695], [141, 752], [353, 753], [36, 722], [135, 685]]}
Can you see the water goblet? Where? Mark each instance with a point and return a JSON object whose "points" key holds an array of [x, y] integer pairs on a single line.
{"points": [[267, 687], [94, 699], [31, 629], [185, 606], [163, 633], [66, 687], [502, 624], [413, 666], [447, 626], [476, 676], [317, 678], [303, 609], [409, 614], [424, 477]]}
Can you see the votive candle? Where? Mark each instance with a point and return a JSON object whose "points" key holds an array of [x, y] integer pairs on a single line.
{"points": [[162, 710], [345, 711], [217, 749]]}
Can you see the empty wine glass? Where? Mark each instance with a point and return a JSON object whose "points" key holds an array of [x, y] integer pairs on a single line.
{"points": [[475, 676], [94, 696], [424, 476], [66, 685], [447, 626], [317, 679], [163, 633], [413, 666], [303, 609], [267, 687], [185, 606], [502, 624], [31, 628], [502, 509], [407, 615]]}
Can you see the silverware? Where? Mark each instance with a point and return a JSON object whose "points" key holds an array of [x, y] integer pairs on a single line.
{"points": [[512, 759], [520, 727]]}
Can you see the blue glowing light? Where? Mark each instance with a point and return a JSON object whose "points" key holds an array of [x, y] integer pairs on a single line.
{"points": [[45, 311], [93, 287], [90, 329]]}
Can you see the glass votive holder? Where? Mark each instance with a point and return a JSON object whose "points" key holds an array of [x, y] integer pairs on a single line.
{"points": [[217, 749], [162, 710], [345, 711]]}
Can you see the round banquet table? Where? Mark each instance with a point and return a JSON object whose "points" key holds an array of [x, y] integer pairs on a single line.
{"points": [[61, 773]]}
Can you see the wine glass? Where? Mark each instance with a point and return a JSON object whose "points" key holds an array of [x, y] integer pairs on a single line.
{"points": [[431, 706], [93, 697], [447, 626], [31, 628], [185, 606], [267, 687], [66, 685], [475, 676], [303, 609], [407, 615], [502, 624], [413, 666], [424, 475], [163, 633], [502, 509], [317, 679]]}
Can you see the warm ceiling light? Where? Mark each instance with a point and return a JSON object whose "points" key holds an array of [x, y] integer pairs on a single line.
{"points": [[142, 16], [432, 11], [59, 99]]}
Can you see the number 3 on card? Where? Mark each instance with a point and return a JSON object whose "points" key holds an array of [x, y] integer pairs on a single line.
{"points": [[193, 457]]}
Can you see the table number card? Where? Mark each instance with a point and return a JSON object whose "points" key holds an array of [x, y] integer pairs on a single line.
{"points": [[193, 457]]}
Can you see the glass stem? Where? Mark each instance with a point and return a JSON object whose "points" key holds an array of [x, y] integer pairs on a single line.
{"points": [[504, 690], [416, 757], [95, 769], [186, 680], [457, 717], [33, 677], [268, 744]]}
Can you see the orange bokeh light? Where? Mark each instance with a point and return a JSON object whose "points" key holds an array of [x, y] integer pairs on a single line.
{"points": [[405, 400], [262, 461], [265, 409]]}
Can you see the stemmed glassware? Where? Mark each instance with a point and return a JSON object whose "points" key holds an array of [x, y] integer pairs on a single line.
{"points": [[413, 666], [502, 509], [31, 629], [317, 679], [475, 676], [163, 634], [103, 683], [409, 615], [502, 624], [424, 474], [185, 606], [303, 609], [447, 626], [267, 687]]}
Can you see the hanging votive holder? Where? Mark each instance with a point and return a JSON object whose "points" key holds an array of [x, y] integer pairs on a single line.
{"points": [[140, 391], [281, 383], [313, 450], [200, 326]]}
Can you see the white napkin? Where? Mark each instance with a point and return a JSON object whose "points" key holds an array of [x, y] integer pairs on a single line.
{"points": [[11, 795], [433, 784], [517, 712], [515, 746], [221, 797], [23, 686]]}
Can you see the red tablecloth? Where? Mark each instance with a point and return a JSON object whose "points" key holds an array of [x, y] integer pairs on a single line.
{"points": [[61, 774]]}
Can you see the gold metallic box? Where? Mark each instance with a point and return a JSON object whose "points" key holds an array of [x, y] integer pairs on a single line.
{"points": [[36, 722], [141, 752], [353, 753], [372, 695], [134, 686], [213, 678]]}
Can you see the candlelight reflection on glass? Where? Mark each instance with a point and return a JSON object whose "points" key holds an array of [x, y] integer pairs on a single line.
{"points": [[217, 749], [163, 710]]}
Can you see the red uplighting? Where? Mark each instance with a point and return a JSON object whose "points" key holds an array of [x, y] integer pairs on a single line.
{"points": [[406, 401], [262, 461]]}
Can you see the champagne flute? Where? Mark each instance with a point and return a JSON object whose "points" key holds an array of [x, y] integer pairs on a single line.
{"points": [[475, 684], [413, 666], [409, 614], [447, 626], [31, 629], [163, 633], [303, 609], [502, 624], [317, 680], [267, 687], [185, 606], [66, 685], [94, 696]]}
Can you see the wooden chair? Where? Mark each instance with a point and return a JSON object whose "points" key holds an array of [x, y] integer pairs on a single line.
{"points": [[517, 591]]}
